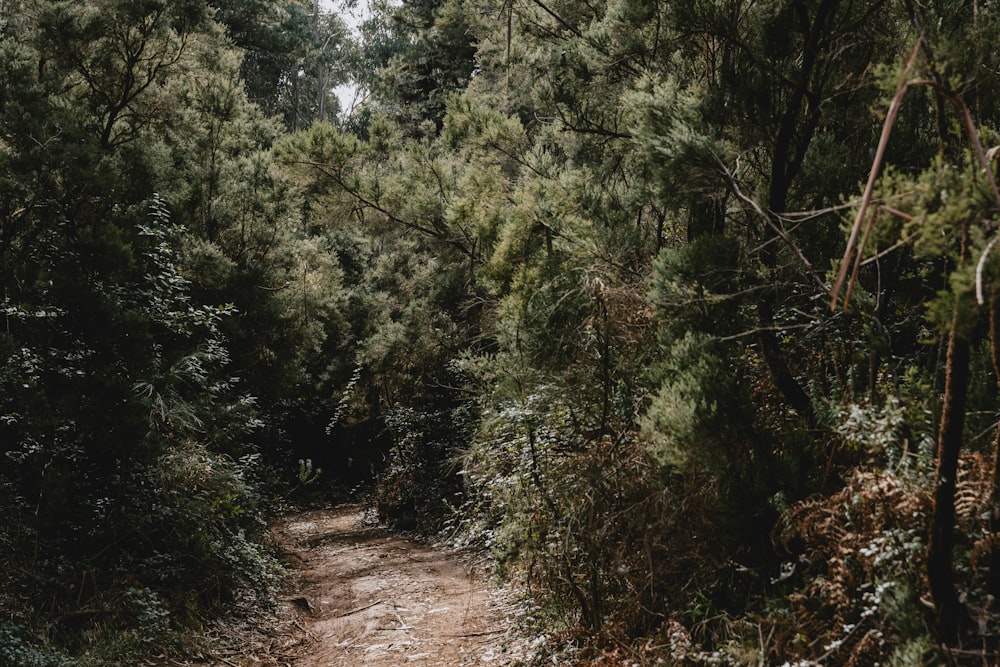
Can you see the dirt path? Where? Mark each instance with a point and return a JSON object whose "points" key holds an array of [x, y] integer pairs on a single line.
{"points": [[366, 596]]}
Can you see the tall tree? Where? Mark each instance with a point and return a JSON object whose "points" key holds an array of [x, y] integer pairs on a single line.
{"points": [[294, 54], [136, 184], [417, 53]]}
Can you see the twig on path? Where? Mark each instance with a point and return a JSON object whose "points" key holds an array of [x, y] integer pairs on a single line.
{"points": [[355, 611], [402, 624], [484, 633], [306, 630]]}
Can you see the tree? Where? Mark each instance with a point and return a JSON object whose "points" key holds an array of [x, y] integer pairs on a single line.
{"points": [[293, 56], [127, 430], [416, 55]]}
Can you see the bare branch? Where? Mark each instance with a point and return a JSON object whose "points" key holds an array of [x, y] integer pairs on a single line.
{"points": [[979, 269], [768, 219], [890, 121]]}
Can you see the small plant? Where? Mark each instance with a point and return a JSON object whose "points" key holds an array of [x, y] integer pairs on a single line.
{"points": [[17, 649], [307, 475]]}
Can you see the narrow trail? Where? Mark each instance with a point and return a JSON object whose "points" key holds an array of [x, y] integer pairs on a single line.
{"points": [[366, 596]]}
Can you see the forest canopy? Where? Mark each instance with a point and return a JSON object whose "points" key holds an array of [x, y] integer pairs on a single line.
{"points": [[685, 312]]}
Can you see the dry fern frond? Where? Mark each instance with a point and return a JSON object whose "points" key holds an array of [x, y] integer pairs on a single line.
{"points": [[847, 542], [974, 488], [984, 547], [869, 651], [813, 521], [871, 534]]}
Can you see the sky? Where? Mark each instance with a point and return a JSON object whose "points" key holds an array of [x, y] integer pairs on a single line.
{"points": [[353, 17]]}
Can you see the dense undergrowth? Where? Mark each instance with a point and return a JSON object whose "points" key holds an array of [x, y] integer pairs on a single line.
{"points": [[600, 287]]}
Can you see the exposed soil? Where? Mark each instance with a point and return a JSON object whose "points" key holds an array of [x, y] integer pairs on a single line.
{"points": [[359, 594], [366, 596]]}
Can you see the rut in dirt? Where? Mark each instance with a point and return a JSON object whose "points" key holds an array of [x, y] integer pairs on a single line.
{"points": [[367, 596]]}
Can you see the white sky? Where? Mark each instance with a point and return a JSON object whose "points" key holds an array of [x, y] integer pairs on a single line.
{"points": [[347, 94], [351, 16]]}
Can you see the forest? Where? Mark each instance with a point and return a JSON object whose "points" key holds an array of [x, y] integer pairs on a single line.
{"points": [[685, 312]]}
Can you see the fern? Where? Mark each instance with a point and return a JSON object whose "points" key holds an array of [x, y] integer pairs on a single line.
{"points": [[858, 557]]}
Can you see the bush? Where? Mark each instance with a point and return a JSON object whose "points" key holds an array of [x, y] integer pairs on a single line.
{"points": [[17, 650], [594, 530], [194, 519], [420, 486]]}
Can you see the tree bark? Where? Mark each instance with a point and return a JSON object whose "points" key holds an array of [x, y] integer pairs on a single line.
{"points": [[949, 613], [793, 134], [320, 71], [994, 579]]}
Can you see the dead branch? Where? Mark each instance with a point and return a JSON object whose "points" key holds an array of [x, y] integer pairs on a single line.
{"points": [[359, 609], [768, 220], [484, 633], [979, 269], [866, 198]]}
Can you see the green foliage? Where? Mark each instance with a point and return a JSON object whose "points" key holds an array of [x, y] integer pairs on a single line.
{"points": [[410, 267], [602, 232], [171, 514], [873, 429], [419, 486], [414, 56], [127, 434], [589, 526], [292, 57], [696, 288], [572, 256], [918, 652], [200, 505], [16, 649], [700, 412], [308, 474]]}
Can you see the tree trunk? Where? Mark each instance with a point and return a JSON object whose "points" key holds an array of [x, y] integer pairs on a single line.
{"points": [[794, 130], [949, 613], [994, 580], [320, 71]]}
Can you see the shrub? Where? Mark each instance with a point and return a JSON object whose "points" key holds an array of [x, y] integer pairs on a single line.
{"points": [[590, 524], [194, 517], [419, 486], [17, 650]]}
